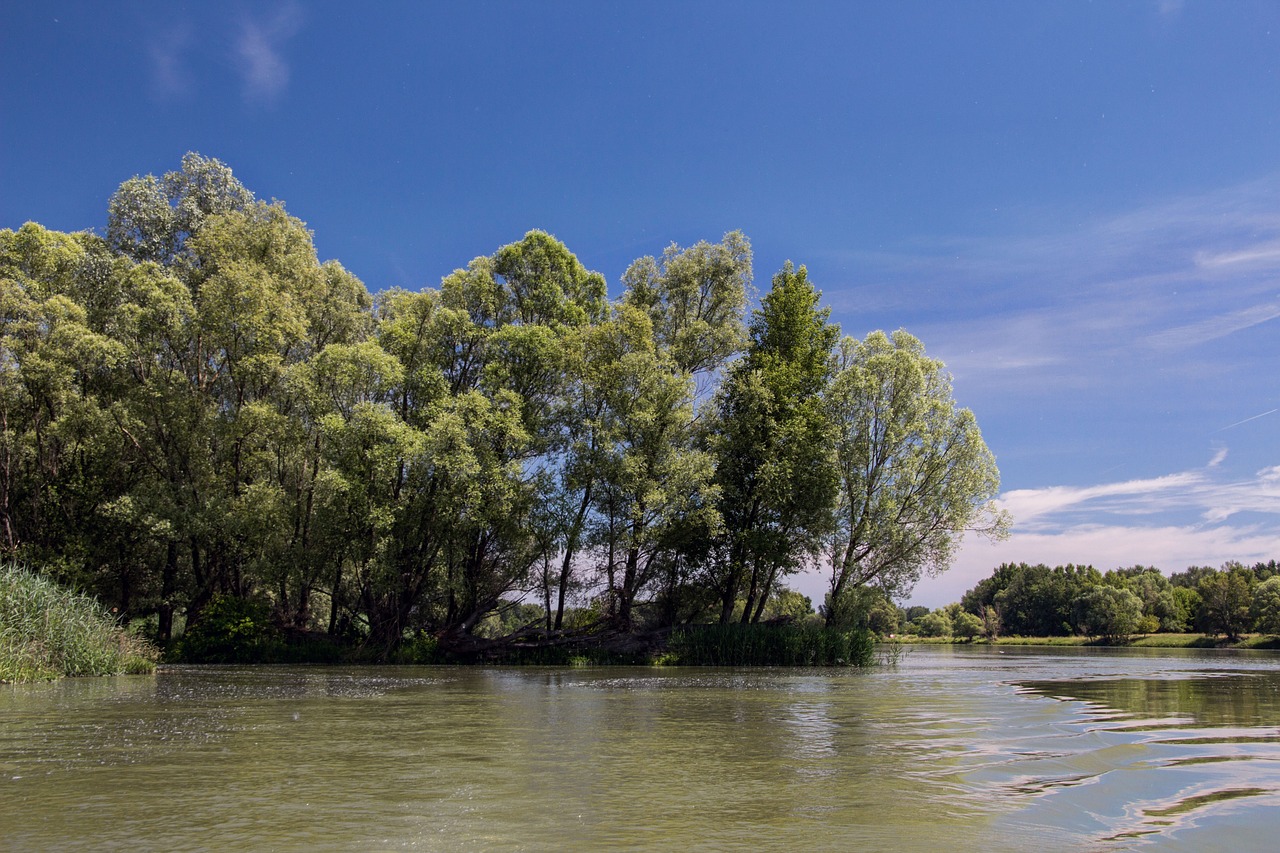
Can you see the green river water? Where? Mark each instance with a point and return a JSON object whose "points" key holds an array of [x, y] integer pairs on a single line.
{"points": [[948, 748]]}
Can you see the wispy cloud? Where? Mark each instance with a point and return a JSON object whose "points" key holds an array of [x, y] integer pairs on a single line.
{"points": [[1265, 254], [1029, 506], [1067, 307], [169, 76], [1110, 525], [1212, 328], [1205, 493], [262, 66]]}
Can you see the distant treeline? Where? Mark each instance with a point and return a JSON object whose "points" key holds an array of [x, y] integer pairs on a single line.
{"points": [[1038, 601], [198, 417]]}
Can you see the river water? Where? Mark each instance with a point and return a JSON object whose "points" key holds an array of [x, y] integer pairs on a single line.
{"points": [[955, 748]]}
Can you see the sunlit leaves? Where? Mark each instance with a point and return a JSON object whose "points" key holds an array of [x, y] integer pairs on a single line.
{"points": [[915, 474], [695, 298]]}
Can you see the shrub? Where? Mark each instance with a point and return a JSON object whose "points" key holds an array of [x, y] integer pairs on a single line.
{"points": [[232, 630]]}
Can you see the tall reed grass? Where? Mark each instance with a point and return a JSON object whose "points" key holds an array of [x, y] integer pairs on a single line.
{"points": [[47, 632], [769, 645]]}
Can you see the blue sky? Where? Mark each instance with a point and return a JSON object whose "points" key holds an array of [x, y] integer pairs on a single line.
{"points": [[1075, 205]]}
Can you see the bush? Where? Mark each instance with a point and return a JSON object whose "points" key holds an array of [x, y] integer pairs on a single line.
{"points": [[232, 630], [47, 632]]}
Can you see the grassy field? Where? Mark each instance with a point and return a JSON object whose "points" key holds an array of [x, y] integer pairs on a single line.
{"points": [[47, 632]]}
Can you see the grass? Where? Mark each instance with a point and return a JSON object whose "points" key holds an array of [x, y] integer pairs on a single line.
{"points": [[48, 632]]}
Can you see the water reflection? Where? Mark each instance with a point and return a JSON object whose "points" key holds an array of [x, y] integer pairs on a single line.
{"points": [[1181, 754], [971, 749]]}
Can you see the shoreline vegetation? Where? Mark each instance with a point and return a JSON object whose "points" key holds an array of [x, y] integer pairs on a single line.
{"points": [[47, 632], [250, 454], [1262, 642]]}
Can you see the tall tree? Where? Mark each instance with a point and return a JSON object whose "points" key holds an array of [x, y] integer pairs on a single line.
{"points": [[773, 446], [915, 474], [655, 485]]}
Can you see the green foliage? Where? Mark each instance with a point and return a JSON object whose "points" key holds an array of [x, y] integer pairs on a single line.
{"points": [[935, 624], [231, 630], [1266, 605], [1226, 597], [1107, 612], [914, 472], [1033, 601], [203, 421], [787, 604], [737, 644], [772, 445], [47, 631], [694, 299], [966, 626], [1029, 600]]}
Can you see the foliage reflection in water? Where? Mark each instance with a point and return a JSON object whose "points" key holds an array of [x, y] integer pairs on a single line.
{"points": [[962, 748]]}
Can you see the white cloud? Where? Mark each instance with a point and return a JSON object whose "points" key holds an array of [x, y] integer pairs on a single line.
{"points": [[1171, 548], [1264, 253], [1093, 525], [264, 71], [1203, 492], [1027, 506]]}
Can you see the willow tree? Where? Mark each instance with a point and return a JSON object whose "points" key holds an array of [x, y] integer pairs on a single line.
{"points": [[915, 474], [773, 446], [58, 370], [655, 485]]}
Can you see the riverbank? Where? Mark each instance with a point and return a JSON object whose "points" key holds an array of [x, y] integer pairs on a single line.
{"points": [[47, 632], [1149, 641]]}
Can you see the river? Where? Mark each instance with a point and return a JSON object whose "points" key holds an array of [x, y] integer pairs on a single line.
{"points": [[954, 748]]}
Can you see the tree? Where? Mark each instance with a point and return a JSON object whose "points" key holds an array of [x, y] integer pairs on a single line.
{"points": [[1226, 598], [1109, 612], [656, 498], [914, 472], [695, 299], [990, 623], [966, 625], [151, 219], [934, 624], [1266, 605], [772, 446]]}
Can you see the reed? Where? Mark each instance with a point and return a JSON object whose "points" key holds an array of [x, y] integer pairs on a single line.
{"points": [[47, 632], [768, 645]]}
